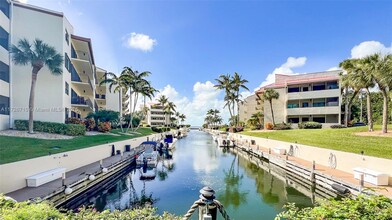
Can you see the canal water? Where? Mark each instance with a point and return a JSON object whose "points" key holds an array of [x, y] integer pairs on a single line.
{"points": [[245, 190]]}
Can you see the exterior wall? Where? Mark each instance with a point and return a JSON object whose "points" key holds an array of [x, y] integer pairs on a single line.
{"points": [[4, 57], [314, 94], [314, 110], [156, 116], [250, 106], [113, 101], [279, 107], [11, 180], [66, 74], [345, 161], [49, 93]]}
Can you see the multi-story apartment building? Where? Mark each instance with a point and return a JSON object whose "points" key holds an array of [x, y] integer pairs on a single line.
{"points": [[251, 105], [305, 97], [74, 93], [156, 115], [4, 64]]}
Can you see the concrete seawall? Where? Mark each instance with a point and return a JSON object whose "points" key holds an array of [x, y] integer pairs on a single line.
{"points": [[13, 175], [345, 161]]}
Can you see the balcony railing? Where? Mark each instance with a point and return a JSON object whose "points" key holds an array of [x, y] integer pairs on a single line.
{"points": [[98, 96], [75, 75]]}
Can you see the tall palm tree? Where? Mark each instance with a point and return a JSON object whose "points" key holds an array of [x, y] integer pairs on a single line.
{"points": [[182, 117], [169, 108], [379, 68], [270, 94], [163, 100], [38, 54], [224, 83], [238, 83]]}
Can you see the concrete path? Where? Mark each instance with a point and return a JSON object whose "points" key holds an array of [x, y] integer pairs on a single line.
{"points": [[71, 177], [337, 174]]}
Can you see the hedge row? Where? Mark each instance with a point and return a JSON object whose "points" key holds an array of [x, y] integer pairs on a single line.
{"points": [[160, 130], [337, 126], [52, 127], [282, 126], [310, 125]]}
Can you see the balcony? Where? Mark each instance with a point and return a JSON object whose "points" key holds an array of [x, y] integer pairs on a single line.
{"points": [[314, 110], [98, 96], [314, 94], [82, 101]]}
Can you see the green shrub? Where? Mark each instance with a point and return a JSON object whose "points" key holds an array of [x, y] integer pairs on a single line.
{"points": [[361, 207], [310, 125], [75, 130], [337, 126], [90, 124], [156, 129], [51, 127], [104, 127], [282, 126], [73, 120]]}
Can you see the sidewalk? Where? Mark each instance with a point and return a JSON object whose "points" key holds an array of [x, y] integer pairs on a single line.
{"points": [[337, 174], [71, 177]]}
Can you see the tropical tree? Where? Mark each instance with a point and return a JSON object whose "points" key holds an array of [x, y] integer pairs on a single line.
{"points": [[379, 69], [270, 94], [238, 83], [182, 117], [38, 54], [256, 120], [163, 100], [224, 83]]}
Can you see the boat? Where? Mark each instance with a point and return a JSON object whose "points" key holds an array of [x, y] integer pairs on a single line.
{"points": [[169, 141], [183, 132], [147, 173], [150, 155], [223, 140]]}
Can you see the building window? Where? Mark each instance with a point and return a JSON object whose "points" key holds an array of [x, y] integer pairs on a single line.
{"points": [[4, 105], [293, 105], [305, 119], [319, 86], [293, 120], [5, 7], [332, 85], [333, 101], [4, 38], [67, 62], [66, 36], [319, 103], [319, 119], [66, 88], [66, 113], [305, 104], [293, 89], [305, 89], [4, 72]]}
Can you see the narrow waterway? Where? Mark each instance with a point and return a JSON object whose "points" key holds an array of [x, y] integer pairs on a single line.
{"points": [[245, 190]]}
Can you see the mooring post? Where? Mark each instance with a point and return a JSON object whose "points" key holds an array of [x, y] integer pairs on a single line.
{"points": [[208, 211], [312, 175], [269, 150], [361, 183]]}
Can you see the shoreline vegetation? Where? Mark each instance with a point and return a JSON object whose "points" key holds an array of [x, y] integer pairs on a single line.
{"points": [[346, 139], [14, 149]]}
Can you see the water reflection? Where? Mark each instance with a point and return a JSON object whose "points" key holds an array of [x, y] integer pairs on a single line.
{"points": [[246, 190]]}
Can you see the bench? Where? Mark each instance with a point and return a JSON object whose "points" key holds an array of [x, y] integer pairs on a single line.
{"points": [[45, 177], [278, 150], [371, 176]]}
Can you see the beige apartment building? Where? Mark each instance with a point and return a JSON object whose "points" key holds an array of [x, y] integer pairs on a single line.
{"points": [[74, 93], [156, 115], [305, 97], [251, 105]]}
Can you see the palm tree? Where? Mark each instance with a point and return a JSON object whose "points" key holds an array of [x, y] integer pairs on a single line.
{"points": [[38, 54], [379, 68], [256, 120], [270, 94], [224, 83], [238, 83], [182, 117], [169, 108]]}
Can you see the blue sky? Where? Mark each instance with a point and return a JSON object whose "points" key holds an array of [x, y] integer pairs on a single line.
{"points": [[185, 44]]}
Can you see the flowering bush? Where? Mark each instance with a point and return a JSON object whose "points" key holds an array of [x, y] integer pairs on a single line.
{"points": [[90, 124], [75, 121], [104, 127], [269, 126]]}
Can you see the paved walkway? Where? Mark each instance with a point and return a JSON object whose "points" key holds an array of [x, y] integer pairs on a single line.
{"points": [[71, 177], [337, 174]]}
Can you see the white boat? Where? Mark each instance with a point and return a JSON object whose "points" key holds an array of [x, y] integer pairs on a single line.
{"points": [[169, 141], [223, 140], [183, 131], [147, 173], [150, 155]]}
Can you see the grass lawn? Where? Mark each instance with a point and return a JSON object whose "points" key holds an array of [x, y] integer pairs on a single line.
{"points": [[337, 139], [19, 148]]}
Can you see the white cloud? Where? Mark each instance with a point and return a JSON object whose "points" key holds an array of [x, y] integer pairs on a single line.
{"points": [[333, 68], [368, 48], [285, 68], [140, 42], [205, 97]]}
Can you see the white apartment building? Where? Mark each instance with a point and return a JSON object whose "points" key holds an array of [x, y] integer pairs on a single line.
{"points": [[156, 115], [74, 93], [305, 97]]}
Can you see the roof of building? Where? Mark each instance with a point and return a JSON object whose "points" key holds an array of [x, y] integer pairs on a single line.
{"points": [[284, 80]]}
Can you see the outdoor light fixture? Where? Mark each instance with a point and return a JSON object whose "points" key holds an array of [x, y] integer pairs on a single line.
{"points": [[91, 177], [68, 190]]}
